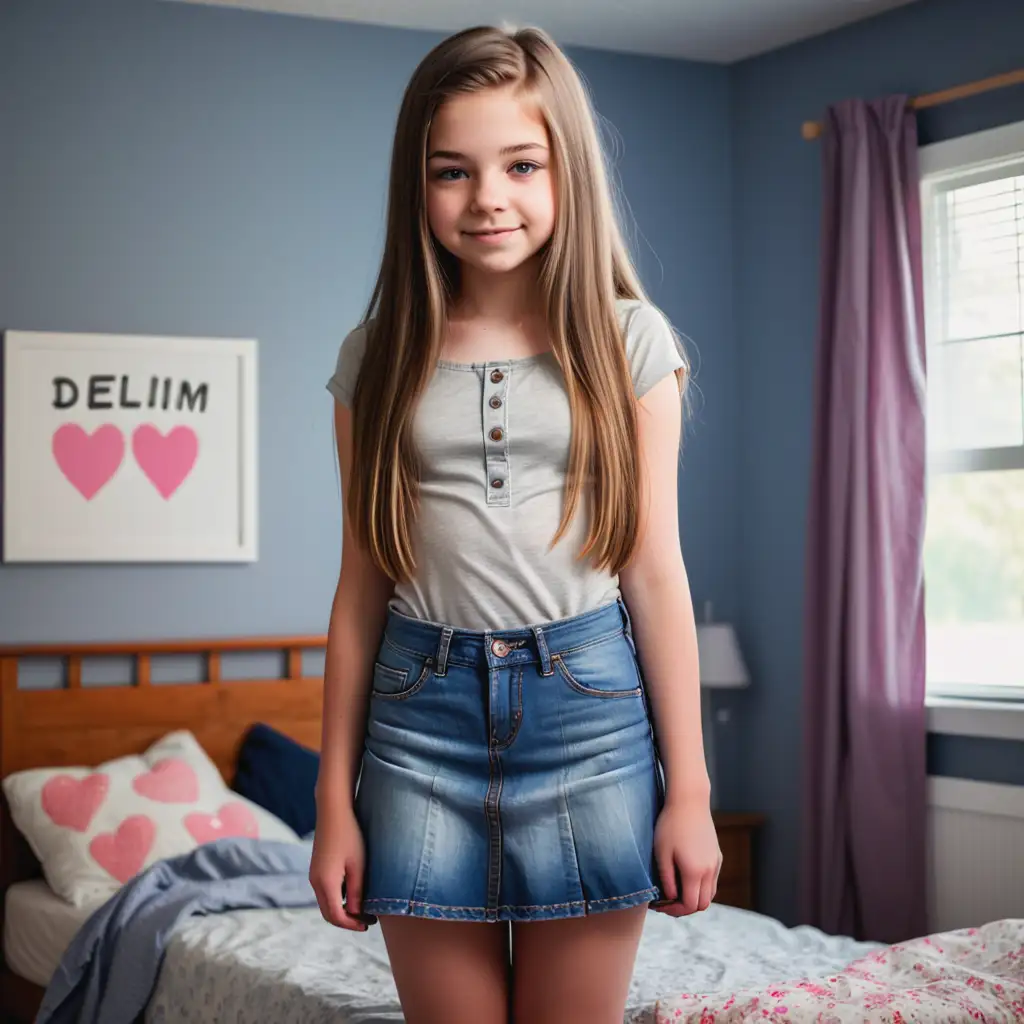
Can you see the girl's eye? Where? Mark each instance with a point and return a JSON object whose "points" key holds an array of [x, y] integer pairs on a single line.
{"points": [[524, 167], [448, 174]]}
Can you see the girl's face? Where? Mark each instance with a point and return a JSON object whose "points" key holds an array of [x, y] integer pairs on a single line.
{"points": [[490, 188]]}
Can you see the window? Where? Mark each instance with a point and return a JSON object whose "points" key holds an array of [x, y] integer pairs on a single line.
{"points": [[973, 217]]}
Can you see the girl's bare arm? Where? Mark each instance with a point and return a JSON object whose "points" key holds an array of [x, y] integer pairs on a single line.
{"points": [[358, 615], [657, 592]]}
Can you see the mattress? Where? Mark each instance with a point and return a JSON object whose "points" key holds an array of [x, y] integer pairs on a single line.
{"points": [[291, 967], [38, 926]]}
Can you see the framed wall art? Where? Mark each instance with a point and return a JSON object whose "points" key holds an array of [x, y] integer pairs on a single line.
{"points": [[128, 448]]}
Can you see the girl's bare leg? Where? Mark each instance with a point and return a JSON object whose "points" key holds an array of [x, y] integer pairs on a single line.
{"points": [[575, 970], [449, 972]]}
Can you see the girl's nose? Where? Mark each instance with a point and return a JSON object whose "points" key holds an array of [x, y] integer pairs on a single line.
{"points": [[490, 193]]}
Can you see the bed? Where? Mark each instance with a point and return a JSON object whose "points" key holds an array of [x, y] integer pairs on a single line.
{"points": [[87, 725], [286, 964]]}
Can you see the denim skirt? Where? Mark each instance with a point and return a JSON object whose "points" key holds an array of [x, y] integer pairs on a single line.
{"points": [[509, 775]]}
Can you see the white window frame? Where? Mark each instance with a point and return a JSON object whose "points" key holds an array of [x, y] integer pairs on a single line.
{"points": [[970, 159]]}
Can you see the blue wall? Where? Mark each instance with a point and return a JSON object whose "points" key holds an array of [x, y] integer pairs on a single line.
{"points": [[179, 169], [915, 49]]}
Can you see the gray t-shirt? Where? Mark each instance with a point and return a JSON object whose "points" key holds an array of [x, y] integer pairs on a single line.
{"points": [[493, 440]]}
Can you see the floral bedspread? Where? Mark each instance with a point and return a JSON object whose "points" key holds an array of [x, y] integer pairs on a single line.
{"points": [[975, 974]]}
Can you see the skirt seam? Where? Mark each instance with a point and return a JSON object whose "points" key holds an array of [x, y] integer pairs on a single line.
{"points": [[578, 880], [423, 871]]}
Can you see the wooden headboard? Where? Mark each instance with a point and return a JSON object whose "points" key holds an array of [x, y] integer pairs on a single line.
{"points": [[87, 725]]}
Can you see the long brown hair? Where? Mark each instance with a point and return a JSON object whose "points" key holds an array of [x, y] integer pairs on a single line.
{"points": [[585, 268]]}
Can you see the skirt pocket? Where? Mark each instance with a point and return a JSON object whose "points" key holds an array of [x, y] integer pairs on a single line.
{"points": [[399, 674], [606, 668]]}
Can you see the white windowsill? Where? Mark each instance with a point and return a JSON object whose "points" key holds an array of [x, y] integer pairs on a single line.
{"points": [[960, 716]]}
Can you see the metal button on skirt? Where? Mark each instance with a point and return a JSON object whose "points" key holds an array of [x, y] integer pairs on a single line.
{"points": [[509, 776]]}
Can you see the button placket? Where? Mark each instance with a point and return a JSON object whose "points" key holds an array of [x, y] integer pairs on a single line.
{"points": [[495, 420]]}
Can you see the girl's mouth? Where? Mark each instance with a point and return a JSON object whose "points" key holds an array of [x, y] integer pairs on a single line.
{"points": [[492, 234]]}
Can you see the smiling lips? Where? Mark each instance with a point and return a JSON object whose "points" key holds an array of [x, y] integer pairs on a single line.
{"points": [[492, 234]]}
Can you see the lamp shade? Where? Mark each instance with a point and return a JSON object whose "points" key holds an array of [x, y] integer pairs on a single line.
{"points": [[721, 663]]}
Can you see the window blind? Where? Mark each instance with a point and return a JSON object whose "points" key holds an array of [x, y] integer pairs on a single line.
{"points": [[976, 317]]}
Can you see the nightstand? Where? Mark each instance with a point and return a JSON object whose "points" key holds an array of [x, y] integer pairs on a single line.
{"points": [[736, 834]]}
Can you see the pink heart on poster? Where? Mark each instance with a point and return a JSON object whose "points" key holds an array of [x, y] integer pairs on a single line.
{"points": [[87, 460], [233, 819], [166, 459], [122, 853], [170, 781], [72, 803]]}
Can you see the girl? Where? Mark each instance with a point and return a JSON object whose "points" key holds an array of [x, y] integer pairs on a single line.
{"points": [[508, 424]]}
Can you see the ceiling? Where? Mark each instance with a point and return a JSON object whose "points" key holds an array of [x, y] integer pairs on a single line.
{"points": [[720, 31]]}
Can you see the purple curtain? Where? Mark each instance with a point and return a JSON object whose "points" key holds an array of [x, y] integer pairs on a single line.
{"points": [[864, 717]]}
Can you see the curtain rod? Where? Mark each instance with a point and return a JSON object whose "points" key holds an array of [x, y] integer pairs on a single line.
{"points": [[813, 129]]}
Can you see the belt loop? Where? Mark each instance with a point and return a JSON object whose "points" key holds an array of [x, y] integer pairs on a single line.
{"points": [[442, 651], [542, 649], [627, 624]]}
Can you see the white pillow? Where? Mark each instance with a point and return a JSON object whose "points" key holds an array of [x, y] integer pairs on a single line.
{"points": [[93, 829]]}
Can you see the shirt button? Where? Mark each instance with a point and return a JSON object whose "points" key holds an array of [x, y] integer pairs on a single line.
{"points": [[497, 376], [496, 434], [497, 483], [495, 402]]}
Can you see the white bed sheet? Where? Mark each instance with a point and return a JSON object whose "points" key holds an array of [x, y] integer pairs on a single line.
{"points": [[291, 967], [38, 926]]}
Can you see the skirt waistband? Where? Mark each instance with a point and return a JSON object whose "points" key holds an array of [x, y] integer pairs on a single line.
{"points": [[502, 648]]}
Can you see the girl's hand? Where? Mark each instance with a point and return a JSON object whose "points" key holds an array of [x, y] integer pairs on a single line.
{"points": [[336, 868], [688, 857]]}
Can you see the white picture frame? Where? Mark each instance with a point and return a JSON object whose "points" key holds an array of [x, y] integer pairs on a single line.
{"points": [[128, 448]]}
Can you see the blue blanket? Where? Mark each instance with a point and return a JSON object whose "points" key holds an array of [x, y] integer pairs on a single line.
{"points": [[109, 971]]}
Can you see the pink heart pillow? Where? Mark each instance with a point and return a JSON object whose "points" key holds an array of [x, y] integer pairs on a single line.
{"points": [[94, 828]]}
